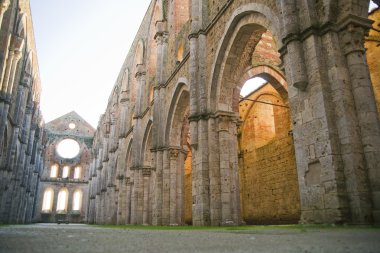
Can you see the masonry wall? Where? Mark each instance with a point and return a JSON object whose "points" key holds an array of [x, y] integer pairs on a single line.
{"points": [[268, 175], [193, 66], [21, 122], [373, 52], [68, 127]]}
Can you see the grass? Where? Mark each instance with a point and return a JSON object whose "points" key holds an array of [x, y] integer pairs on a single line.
{"points": [[247, 228]]}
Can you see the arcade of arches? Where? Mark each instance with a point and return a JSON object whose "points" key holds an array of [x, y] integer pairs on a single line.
{"points": [[179, 143]]}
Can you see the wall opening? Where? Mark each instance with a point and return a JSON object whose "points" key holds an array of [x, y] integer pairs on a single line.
{"points": [[77, 172], [68, 148], [77, 200], [65, 172], [47, 203], [54, 171], [62, 201]]}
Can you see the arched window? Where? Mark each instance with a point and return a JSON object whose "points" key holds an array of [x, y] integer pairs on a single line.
{"points": [[65, 172], [77, 200], [77, 172], [54, 171], [62, 200], [47, 202]]}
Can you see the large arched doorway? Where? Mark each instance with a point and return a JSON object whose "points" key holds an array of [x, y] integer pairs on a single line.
{"points": [[253, 131], [180, 157]]}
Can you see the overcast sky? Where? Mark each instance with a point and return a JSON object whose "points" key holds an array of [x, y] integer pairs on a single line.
{"points": [[81, 46]]}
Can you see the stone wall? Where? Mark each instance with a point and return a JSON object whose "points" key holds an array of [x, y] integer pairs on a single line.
{"points": [[268, 176], [373, 52], [21, 122], [67, 127], [193, 66]]}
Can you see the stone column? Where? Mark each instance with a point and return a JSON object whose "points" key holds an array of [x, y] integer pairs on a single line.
{"points": [[4, 4], [198, 119], [229, 183], [121, 200], [157, 200], [353, 31], [129, 187], [165, 188], [173, 153], [146, 209]]}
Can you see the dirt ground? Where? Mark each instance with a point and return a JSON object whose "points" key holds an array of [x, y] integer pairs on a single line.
{"points": [[53, 238]]}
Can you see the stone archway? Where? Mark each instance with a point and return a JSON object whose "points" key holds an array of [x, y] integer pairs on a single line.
{"points": [[267, 167], [179, 155], [234, 57]]}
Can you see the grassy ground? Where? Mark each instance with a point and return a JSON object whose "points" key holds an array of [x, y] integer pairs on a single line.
{"points": [[249, 229]]}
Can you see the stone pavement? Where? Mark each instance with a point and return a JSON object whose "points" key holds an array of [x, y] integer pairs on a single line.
{"points": [[52, 238]]}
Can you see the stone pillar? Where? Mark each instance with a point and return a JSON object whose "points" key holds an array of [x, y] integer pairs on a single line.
{"points": [[161, 38], [173, 153], [229, 181], [121, 207], [4, 4], [353, 31], [157, 201], [198, 119], [146, 208], [129, 187], [165, 188]]}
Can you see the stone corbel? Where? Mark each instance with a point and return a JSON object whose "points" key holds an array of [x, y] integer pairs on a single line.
{"points": [[124, 96], [140, 71], [161, 26], [161, 38]]}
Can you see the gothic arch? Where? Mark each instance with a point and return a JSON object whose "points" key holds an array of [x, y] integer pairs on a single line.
{"points": [[242, 34], [140, 53], [180, 101], [146, 145], [274, 77], [128, 158]]}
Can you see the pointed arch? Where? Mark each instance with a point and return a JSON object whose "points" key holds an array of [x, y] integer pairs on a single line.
{"points": [[48, 199], [140, 53], [128, 158], [147, 144], [180, 102], [77, 200], [244, 29], [62, 201]]}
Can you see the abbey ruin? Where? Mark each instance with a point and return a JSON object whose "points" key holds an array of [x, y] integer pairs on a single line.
{"points": [[178, 143]]}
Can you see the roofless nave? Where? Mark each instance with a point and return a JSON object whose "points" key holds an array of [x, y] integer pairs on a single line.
{"points": [[177, 143]]}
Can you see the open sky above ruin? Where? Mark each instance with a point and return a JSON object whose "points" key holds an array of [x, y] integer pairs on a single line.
{"points": [[81, 47]]}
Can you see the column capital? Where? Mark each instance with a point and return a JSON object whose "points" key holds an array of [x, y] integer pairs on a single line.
{"points": [[146, 172], [140, 71], [173, 154], [352, 32], [4, 4], [161, 38]]}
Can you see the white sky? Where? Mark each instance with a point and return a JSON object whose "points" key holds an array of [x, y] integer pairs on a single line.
{"points": [[81, 48]]}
